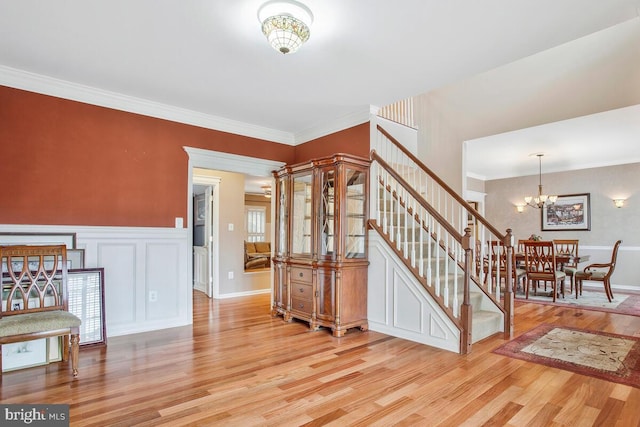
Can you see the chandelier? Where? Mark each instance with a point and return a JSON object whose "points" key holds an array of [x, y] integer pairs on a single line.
{"points": [[540, 200], [285, 23]]}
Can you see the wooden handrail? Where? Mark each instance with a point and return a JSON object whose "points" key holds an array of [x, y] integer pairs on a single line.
{"points": [[441, 183], [439, 218]]}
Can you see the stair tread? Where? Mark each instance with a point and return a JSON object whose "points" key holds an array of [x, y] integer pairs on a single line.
{"points": [[485, 315]]}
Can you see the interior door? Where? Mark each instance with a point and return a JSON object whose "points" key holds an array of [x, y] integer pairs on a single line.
{"points": [[200, 277], [203, 249], [209, 241]]}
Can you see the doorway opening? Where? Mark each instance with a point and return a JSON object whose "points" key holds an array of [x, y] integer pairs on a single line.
{"points": [[205, 232], [226, 281]]}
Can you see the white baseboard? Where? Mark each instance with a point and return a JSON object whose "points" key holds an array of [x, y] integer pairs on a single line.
{"points": [[244, 294]]}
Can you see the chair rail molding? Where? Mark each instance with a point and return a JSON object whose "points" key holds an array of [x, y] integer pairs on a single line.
{"points": [[138, 262]]}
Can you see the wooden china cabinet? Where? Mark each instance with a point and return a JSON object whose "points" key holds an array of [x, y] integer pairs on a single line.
{"points": [[320, 252]]}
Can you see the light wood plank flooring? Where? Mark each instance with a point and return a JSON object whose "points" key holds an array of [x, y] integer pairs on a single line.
{"points": [[237, 366]]}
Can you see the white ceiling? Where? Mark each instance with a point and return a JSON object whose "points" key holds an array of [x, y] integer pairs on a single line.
{"points": [[255, 184], [207, 62], [579, 103], [603, 139]]}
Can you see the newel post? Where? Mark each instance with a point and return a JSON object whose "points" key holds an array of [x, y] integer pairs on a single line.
{"points": [[466, 310], [509, 285]]}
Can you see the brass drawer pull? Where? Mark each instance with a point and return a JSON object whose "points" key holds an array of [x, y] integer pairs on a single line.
{"points": [[301, 274], [301, 290]]}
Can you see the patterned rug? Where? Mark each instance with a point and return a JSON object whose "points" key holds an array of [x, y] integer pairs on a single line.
{"points": [[610, 357], [628, 303]]}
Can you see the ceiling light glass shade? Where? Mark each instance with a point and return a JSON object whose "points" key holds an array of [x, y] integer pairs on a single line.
{"points": [[285, 33], [285, 24]]}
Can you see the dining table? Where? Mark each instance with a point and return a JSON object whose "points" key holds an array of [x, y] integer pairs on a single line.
{"points": [[561, 259]]}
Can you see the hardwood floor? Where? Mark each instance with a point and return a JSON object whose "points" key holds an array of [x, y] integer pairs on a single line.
{"points": [[237, 366]]}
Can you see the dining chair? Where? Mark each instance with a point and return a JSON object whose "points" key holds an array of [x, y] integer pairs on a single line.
{"points": [[520, 250], [540, 266], [568, 247], [599, 272], [478, 258], [499, 265]]}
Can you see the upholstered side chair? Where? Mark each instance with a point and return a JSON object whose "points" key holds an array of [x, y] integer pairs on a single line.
{"points": [[599, 272]]}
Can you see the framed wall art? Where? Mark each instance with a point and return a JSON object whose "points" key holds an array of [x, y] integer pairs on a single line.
{"points": [[68, 239], [86, 300], [75, 258], [24, 354], [570, 212]]}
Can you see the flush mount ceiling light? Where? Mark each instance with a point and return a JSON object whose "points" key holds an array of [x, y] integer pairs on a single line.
{"points": [[540, 200], [285, 23]]}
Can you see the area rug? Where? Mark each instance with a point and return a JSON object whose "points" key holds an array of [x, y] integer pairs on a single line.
{"points": [[622, 303], [610, 357]]}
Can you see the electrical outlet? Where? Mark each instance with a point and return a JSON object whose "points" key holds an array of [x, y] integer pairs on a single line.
{"points": [[230, 275], [153, 296]]}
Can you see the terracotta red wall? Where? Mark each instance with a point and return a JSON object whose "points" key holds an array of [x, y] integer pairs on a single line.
{"points": [[69, 163], [354, 140]]}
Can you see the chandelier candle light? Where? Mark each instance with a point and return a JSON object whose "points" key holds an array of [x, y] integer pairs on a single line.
{"points": [[540, 200], [285, 23]]}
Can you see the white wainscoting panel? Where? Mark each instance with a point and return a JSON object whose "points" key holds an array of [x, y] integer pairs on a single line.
{"points": [[147, 285], [121, 294], [399, 306], [163, 279], [408, 309]]}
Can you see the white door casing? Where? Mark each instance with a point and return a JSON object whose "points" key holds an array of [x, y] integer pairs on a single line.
{"points": [[214, 160]]}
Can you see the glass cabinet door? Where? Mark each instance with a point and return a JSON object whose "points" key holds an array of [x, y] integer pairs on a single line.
{"points": [[283, 216], [327, 213], [301, 221], [355, 210]]}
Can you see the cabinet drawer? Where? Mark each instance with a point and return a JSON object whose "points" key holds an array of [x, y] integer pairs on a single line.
{"points": [[301, 290], [301, 274], [301, 305]]}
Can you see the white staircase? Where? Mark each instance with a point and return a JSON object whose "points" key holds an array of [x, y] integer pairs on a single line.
{"points": [[421, 246]]}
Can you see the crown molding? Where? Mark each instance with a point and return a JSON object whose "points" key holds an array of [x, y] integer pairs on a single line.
{"points": [[38, 83], [45, 85]]}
